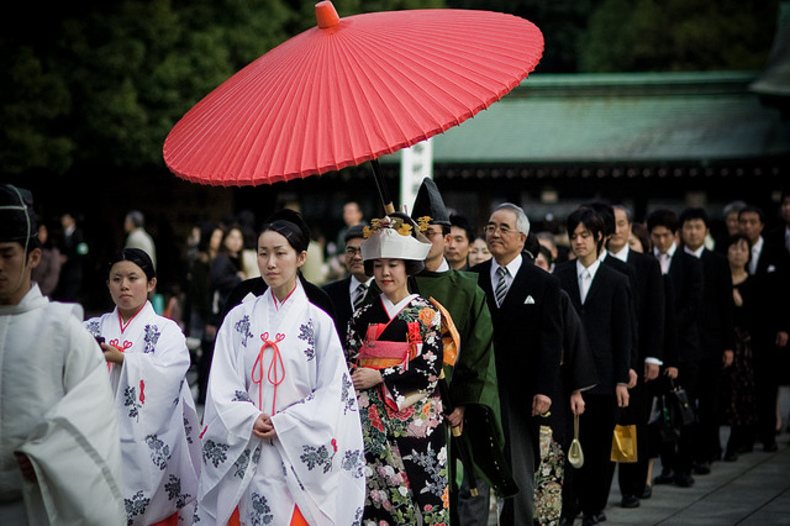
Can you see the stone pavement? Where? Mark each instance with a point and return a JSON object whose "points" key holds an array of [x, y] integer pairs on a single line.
{"points": [[752, 491]]}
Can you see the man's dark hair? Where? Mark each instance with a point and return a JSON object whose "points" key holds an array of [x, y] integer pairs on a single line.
{"points": [[591, 220], [690, 214], [663, 217], [462, 223], [606, 211], [753, 209]]}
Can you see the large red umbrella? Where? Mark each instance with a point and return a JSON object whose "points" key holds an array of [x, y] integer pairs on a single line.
{"points": [[349, 91]]}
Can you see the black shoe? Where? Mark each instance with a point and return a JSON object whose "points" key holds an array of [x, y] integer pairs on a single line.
{"points": [[770, 447], [647, 493], [702, 468], [629, 501], [601, 517], [666, 477], [746, 448], [730, 456], [590, 520], [684, 480]]}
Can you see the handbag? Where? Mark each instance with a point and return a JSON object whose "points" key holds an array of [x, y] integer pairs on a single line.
{"points": [[624, 444], [575, 454], [684, 411], [661, 420]]}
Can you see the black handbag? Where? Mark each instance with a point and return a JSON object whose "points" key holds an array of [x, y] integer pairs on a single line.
{"points": [[661, 419], [681, 405]]}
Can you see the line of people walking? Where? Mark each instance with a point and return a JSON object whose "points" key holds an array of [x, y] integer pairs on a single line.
{"points": [[419, 389]]}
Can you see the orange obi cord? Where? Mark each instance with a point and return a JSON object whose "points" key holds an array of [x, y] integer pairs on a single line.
{"points": [[170, 521], [276, 372]]}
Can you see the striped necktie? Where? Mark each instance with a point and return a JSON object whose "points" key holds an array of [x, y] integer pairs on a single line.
{"points": [[501, 286], [359, 295]]}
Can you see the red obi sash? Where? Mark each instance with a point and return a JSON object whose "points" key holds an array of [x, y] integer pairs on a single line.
{"points": [[375, 354]]}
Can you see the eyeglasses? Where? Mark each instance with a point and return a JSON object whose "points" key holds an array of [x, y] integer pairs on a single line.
{"points": [[351, 251], [504, 230]]}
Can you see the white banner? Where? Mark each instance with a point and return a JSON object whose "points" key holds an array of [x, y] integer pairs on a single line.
{"points": [[416, 165]]}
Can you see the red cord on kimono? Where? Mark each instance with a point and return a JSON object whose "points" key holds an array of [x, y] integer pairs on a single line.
{"points": [[273, 374]]}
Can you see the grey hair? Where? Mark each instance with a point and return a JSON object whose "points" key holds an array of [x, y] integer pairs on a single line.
{"points": [[628, 214], [734, 206], [136, 218], [522, 221]]}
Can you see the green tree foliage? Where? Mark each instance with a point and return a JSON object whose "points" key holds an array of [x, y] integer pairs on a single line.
{"points": [[678, 35]]}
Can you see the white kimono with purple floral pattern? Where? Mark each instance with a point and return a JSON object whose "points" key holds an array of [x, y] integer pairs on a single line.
{"points": [[159, 425], [315, 461]]}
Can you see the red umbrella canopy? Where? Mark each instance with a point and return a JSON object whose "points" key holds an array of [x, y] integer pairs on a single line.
{"points": [[351, 90]]}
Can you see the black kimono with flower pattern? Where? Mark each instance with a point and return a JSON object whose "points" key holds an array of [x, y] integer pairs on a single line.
{"points": [[405, 448]]}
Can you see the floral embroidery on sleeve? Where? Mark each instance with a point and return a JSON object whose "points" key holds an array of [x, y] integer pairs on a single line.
{"points": [[173, 489], [135, 506], [319, 456], [160, 452], [241, 396], [215, 453], [243, 327], [307, 334], [348, 396], [130, 401], [94, 327], [152, 334], [261, 511]]}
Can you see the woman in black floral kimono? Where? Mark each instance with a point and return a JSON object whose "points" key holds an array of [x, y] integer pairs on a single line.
{"points": [[395, 352], [741, 406]]}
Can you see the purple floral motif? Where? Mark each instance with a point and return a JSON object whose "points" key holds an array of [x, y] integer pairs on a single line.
{"points": [[215, 453], [135, 506], [307, 334], [160, 452], [261, 511], [243, 327], [152, 335]]}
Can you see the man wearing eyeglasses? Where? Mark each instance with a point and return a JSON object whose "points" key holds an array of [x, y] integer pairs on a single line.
{"points": [[349, 294], [525, 308]]}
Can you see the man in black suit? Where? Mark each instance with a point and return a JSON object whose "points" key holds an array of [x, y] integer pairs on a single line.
{"points": [[601, 297], [681, 359], [352, 292], [526, 312], [648, 294], [768, 266], [717, 335]]}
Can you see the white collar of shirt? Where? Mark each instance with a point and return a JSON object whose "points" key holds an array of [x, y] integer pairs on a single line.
{"points": [[592, 269], [758, 246], [670, 252], [696, 253], [70, 230], [392, 309], [352, 286], [622, 255], [512, 268], [443, 267]]}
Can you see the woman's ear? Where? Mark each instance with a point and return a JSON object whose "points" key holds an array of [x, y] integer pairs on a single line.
{"points": [[151, 284], [301, 258]]}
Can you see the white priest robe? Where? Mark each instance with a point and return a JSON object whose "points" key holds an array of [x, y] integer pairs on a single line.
{"points": [[283, 359], [159, 425], [56, 408]]}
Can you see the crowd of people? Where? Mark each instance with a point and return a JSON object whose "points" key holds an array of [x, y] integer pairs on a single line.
{"points": [[441, 368]]}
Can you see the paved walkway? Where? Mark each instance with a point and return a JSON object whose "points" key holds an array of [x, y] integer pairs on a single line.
{"points": [[752, 491]]}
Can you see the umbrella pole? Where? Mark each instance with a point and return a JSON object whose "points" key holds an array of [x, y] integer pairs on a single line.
{"points": [[379, 178]]}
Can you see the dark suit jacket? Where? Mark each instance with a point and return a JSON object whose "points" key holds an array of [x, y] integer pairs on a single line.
{"points": [[627, 270], [528, 333], [716, 319], [606, 315], [649, 301], [685, 280], [340, 296]]}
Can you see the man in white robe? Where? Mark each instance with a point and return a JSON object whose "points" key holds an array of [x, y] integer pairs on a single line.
{"points": [[60, 457]]}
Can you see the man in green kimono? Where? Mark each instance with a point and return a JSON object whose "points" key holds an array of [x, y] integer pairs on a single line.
{"points": [[472, 381]]}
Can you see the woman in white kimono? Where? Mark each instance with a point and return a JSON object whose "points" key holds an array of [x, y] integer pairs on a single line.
{"points": [[148, 360], [282, 440]]}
